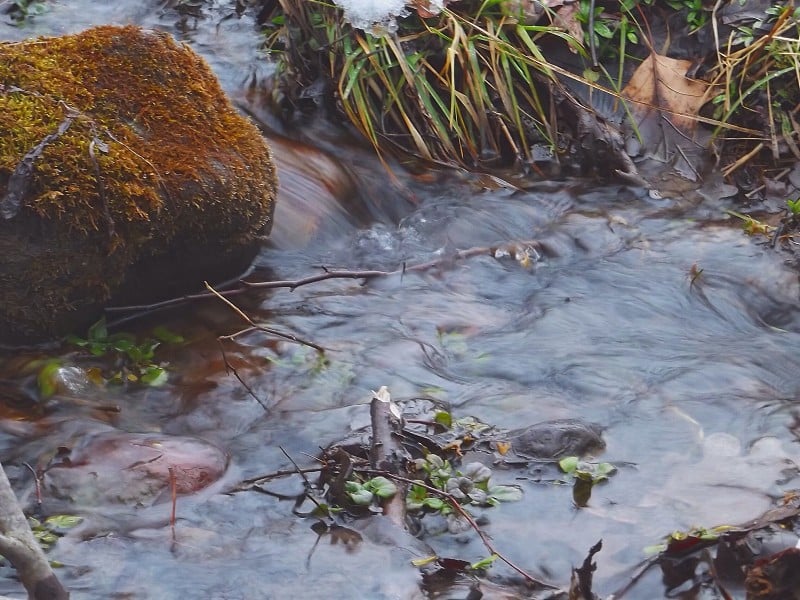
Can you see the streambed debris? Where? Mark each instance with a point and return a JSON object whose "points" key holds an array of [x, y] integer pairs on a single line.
{"points": [[426, 473], [526, 253]]}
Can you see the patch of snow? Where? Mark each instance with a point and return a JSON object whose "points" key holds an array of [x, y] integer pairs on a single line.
{"points": [[381, 14]]}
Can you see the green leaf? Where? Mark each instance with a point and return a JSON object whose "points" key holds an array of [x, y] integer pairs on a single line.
{"points": [[63, 521], [484, 563], [568, 464], [154, 376], [505, 493], [362, 497], [655, 549], [98, 331], [604, 470], [122, 344], [77, 341], [443, 418], [434, 503], [603, 30], [478, 472], [98, 348], [435, 461], [46, 538], [381, 487], [47, 379], [163, 334]]}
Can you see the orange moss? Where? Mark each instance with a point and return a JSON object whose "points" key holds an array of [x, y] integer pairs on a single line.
{"points": [[154, 155]]}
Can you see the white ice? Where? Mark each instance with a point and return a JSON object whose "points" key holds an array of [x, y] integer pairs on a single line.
{"points": [[369, 14]]}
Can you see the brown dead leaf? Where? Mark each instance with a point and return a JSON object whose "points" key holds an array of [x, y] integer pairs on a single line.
{"points": [[660, 84], [566, 17], [526, 11], [503, 448]]}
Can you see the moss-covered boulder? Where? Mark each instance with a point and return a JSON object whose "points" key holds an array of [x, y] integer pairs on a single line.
{"points": [[125, 176]]}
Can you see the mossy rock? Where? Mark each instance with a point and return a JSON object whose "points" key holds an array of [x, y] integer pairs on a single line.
{"points": [[125, 176]]}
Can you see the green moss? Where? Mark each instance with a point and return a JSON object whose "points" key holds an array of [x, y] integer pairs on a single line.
{"points": [[154, 156]]}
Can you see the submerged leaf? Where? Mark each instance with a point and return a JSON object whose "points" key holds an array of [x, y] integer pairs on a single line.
{"points": [[154, 376], [505, 493], [47, 379], [568, 464], [381, 487], [361, 497], [63, 521], [477, 472], [484, 563]]}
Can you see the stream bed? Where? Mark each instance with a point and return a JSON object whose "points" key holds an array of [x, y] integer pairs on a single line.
{"points": [[658, 319]]}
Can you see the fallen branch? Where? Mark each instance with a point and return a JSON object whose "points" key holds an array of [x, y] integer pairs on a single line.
{"points": [[18, 545], [387, 452], [254, 326], [524, 251]]}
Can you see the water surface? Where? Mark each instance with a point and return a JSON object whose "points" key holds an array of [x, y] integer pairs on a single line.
{"points": [[694, 379]]}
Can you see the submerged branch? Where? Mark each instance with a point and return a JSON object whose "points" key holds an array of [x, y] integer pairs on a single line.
{"points": [[519, 249]]}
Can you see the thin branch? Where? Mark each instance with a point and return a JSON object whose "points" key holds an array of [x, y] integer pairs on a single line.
{"points": [[254, 326], [468, 517], [245, 485], [505, 249], [229, 368]]}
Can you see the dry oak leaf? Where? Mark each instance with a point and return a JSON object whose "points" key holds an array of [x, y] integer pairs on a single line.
{"points": [[660, 84]]}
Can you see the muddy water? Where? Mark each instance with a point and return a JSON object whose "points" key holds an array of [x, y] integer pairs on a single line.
{"points": [[694, 379]]}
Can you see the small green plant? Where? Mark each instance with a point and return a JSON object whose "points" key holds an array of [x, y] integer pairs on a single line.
{"points": [[22, 11], [793, 206], [696, 14], [679, 542], [584, 476], [469, 485], [364, 493], [134, 359], [751, 225]]}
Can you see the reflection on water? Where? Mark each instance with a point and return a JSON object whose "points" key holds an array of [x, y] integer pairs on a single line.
{"points": [[694, 379]]}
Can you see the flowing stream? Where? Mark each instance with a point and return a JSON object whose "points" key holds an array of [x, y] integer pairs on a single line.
{"points": [[694, 377]]}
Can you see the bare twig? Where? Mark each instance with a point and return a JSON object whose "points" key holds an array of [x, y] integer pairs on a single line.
{"points": [[254, 326], [445, 261], [173, 484], [37, 480], [248, 483], [229, 368]]}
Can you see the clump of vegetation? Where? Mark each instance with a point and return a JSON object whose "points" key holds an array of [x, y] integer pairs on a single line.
{"points": [[494, 82], [133, 359], [48, 531], [467, 86], [109, 358], [584, 475], [22, 11]]}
